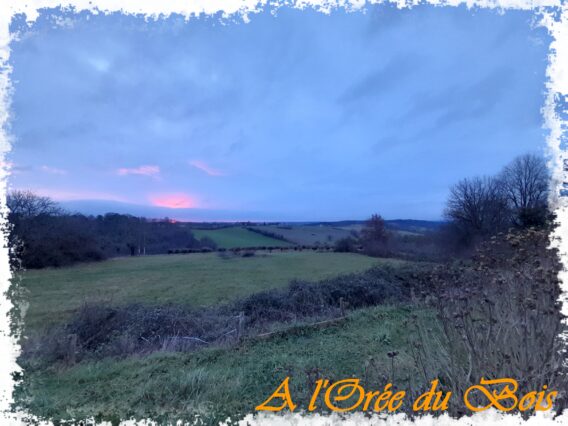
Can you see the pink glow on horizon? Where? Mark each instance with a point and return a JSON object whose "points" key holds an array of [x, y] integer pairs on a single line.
{"points": [[151, 171], [204, 167], [174, 201]]}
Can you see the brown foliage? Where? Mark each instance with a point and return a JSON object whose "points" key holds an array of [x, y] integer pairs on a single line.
{"points": [[499, 316]]}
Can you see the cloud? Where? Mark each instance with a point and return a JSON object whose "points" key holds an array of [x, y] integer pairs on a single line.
{"points": [[174, 201], [463, 102], [13, 168], [381, 80], [74, 195], [370, 89], [150, 171], [53, 170], [204, 167]]}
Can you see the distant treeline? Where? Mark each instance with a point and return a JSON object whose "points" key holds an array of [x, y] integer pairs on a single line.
{"points": [[250, 250], [477, 209], [42, 234]]}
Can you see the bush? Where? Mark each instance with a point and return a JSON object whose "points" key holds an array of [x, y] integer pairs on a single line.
{"points": [[208, 243], [500, 317], [269, 234], [304, 299], [119, 331], [345, 245]]}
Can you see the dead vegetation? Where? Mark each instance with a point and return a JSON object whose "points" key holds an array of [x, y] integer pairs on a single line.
{"points": [[499, 316]]}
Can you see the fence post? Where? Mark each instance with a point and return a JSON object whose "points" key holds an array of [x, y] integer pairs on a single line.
{"points": [[241, 327], [342, 306], [71, 349]]}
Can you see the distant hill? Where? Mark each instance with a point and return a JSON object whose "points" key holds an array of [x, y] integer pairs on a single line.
{"points": [[413, 225], [410, 225]]}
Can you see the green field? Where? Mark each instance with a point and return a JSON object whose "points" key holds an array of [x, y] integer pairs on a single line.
{"points": [[309, 234], [318, 234], [232, 237], [234, 380], [196, 279], [235, 236]]}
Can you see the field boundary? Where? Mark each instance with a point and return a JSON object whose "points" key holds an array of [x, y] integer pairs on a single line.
{"points": [[294, 329]]}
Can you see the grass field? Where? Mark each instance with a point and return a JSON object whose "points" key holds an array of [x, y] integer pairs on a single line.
{"points": [[196, 279], [233, 380], [402, 232], [234, 236], [309, 234], [318, 234]]}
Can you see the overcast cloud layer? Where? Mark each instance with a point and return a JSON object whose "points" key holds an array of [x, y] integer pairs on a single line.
{"points": [[302, 116]]}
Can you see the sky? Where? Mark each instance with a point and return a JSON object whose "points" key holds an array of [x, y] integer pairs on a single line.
{"points": [[293, 116]]}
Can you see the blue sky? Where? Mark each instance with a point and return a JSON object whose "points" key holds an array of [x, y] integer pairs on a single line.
{"points": [[298, 116]]}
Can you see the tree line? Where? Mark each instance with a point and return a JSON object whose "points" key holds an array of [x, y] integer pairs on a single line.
{"points": [[517, 197], [476, 209], [43, 234]]}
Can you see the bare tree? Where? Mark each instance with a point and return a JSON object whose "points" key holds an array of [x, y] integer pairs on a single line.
{"points": [[374, 236], [525, 183], [374, 229], [27, 204], [478, 206]]}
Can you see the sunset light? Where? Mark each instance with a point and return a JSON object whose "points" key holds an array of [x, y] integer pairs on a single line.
{"points": [[174, 201], [352, 211]]}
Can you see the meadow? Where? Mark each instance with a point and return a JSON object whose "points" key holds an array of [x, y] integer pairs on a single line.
{"points": [[329, 233], [236, 236], [233, 377], [305, 314], [222, 382], [195, 279], [308, 234]]}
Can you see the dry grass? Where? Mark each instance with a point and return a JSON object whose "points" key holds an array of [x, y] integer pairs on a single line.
{"points": [[498, 317]]}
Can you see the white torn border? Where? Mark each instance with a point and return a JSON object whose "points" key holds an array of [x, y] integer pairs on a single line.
{"points": [[555, 18]]}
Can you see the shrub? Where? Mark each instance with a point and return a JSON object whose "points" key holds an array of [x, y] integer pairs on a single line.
{"points": [[345, 245], [302, 299], [500, 317], [208, 243], [124, 330], [269, 234]]}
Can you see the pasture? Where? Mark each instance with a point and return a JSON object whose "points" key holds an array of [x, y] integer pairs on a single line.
{"points": [[216, 383], [322, 234], [236, 236], [194, 279], [308, 234]]}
